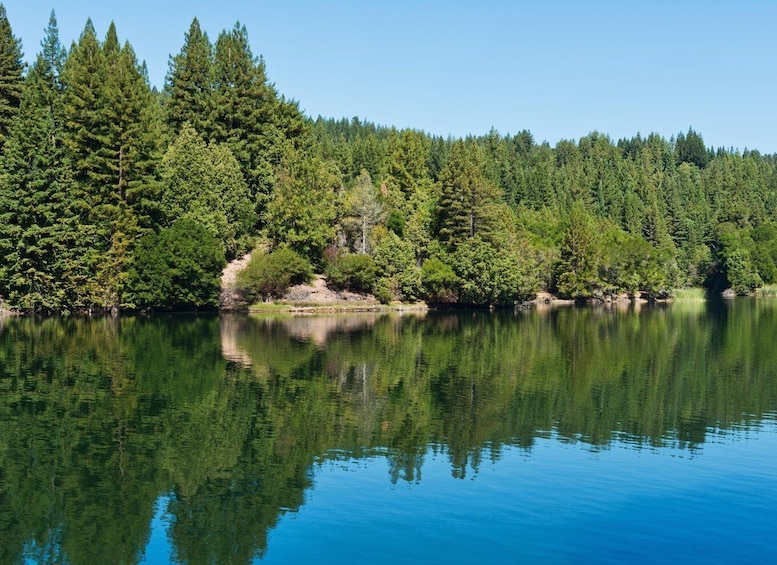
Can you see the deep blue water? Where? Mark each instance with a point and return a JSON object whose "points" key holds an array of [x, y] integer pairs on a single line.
{"points": [[560, 502], [569, 436]]}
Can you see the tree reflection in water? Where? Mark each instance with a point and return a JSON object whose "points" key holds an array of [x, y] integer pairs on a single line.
{"points": [[224, 417]]}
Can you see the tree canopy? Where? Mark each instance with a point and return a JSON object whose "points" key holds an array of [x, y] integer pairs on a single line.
{"points": [[96, 166]]}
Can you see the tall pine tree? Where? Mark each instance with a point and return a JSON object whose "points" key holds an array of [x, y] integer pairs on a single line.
{"points": [[112, 132], [11, 75], [41, 241], [189, 82], [467, 203]]}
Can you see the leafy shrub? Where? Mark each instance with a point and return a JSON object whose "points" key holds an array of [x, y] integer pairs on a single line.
{"points": [[271, 274], [385, 290], [438, 280], [491, 275], [352, 272], [395, 260], [180, 267]]}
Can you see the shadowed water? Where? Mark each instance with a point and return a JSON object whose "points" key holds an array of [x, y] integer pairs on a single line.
{"points": [[572, 435]]}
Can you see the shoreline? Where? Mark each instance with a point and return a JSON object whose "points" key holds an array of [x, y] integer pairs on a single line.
{"points": [[334, 307], [366, 303]]}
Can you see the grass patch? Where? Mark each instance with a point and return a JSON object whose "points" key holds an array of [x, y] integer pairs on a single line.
{"points": [[693, 293], [269, 307], [767, 291]]}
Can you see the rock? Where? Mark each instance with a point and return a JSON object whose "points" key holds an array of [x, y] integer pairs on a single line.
{"points": [[728, 294], [543, 298], [230, 297]]}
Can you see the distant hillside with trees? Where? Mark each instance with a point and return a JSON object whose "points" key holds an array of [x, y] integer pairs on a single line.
{"points": [[114, 195]]}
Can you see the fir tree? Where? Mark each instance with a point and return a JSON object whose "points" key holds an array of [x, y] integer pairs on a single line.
{"points": [[112, 133], [11, 75], [41, 242], [248, 116], [466, 206], [189, 82]]}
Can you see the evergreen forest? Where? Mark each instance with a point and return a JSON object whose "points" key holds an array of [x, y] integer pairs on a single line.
{"points": [[118, 196]]}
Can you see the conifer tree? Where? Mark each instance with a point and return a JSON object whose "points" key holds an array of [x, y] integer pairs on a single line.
{"points": [[83, 78], [41, 241], [241, 109], [248, 116], [11, 75], [111, 131], [467, 201], [302, 214], [205, 183], [577, 275], [189, 82]]}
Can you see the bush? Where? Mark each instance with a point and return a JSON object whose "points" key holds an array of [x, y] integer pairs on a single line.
{"points": [[180, 267], [386, 289], [271, 274], [438, 280], [395, 260], [495, 275], [352, 272]]}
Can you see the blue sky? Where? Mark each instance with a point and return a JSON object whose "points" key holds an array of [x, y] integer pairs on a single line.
{"points": [[560, 69]]}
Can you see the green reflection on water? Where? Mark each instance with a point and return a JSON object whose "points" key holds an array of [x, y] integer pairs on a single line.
{"points": [[226, 415]]}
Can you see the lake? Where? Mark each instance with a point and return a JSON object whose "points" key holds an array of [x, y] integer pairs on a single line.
{"points": [[575, 435]]}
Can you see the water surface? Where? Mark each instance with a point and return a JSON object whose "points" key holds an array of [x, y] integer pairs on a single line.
{"points": [[568, 436]]}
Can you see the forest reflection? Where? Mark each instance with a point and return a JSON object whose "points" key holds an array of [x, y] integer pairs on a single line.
{"points": [[224, 417]]}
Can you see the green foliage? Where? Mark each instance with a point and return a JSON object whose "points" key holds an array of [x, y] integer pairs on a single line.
{"points": [[302, 213], [189, 82], [269, 275], [363, 211], [396, 223], [690, 149], [740, 272], [11, 69], [83, 180], [581, 254], [179, 268], [734, 266], [205, 183], [42, 241], [356, 272], [466, 206], [494, 275], [398, 274], [247, 114], [630, 264], [439, 281]]}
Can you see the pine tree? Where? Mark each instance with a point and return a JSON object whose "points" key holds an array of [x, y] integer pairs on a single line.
{"points": [[577, 271], [53, 55], [242, 104], [11, 75], [690, 149], [112, 132], [83, 78], [189, 82], [248, 116], [41, 242], [467, 201]]}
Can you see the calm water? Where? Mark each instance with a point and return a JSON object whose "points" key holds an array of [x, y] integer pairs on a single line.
{"points": [[571, 436]]}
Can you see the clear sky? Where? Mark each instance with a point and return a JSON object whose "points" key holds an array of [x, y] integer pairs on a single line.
{"points": [[560, 69]]}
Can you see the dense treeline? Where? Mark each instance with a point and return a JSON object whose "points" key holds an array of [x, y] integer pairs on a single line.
{"points": [[114, 195]]}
